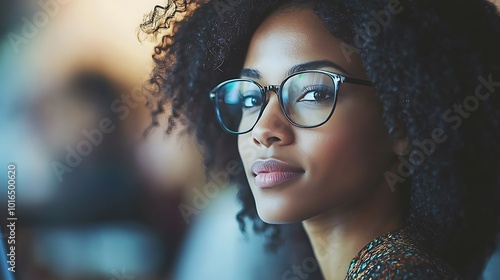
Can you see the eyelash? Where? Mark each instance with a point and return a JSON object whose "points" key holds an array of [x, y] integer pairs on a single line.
{"points": [[317, 88]]}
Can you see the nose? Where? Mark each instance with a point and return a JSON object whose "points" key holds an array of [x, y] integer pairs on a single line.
{"points": [[273, 128]]}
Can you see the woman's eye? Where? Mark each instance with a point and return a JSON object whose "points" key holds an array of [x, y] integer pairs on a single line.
{"points": [[316, 94], [251, 101]]}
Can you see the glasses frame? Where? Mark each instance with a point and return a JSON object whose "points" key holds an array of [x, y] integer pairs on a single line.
{"points": [[336, 78]]}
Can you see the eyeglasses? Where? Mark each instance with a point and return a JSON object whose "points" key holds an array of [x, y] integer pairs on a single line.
{"points": [[307, 99]]}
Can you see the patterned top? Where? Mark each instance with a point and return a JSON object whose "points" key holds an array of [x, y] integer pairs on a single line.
{"points": [[396, 256]]}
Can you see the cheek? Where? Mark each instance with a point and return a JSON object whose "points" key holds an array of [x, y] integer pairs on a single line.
{"points": [[351, 151]]}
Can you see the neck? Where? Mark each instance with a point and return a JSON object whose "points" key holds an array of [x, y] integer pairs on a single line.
{"points": [[338, 235]]}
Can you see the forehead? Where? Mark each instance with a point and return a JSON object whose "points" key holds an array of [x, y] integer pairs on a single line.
{"points": [[294, 36]]}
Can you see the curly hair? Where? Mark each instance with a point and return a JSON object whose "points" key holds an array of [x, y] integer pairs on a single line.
{"points": [[432, 59]]}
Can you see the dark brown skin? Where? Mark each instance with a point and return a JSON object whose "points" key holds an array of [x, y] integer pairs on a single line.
{"points": [[342, 197]]}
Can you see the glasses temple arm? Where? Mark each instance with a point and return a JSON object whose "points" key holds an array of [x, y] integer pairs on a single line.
{"points": [[356, 81]]}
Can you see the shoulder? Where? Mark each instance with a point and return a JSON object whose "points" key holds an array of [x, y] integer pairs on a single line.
{"points": [[396, 256]]}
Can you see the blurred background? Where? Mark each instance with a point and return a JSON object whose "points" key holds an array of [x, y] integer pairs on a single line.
{"points": [[94, 198], [91, 199]]}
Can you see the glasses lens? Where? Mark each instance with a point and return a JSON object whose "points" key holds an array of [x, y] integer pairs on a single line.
{"points": [[309, 98], [238, 104]]}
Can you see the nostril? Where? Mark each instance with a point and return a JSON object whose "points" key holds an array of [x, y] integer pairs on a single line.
{"points": [[267, 141], [273, 139]]}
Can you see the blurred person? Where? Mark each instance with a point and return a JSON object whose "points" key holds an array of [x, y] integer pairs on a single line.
{"points": [[324, 114], [90, 158]]}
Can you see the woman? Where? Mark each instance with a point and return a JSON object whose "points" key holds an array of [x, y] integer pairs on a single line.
{"points": [[375, 123]]}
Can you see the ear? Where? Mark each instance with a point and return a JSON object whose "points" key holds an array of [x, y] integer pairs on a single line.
{"points": [[401, 146]]}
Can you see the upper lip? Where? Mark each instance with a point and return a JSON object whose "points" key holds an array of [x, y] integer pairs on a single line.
{"points": [[272, 165]]}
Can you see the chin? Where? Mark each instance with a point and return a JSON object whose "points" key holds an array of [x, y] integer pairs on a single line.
{"points": [[273, 214]]}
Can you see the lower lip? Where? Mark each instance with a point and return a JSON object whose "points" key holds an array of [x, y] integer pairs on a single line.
{"points": [[273, 179]]}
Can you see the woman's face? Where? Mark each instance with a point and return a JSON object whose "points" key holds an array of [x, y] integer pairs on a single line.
{"points": [[311, 171]]}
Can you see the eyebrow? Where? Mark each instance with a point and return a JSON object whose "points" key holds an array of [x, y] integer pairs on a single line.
{"points": [[250, 73], [312, 65]]}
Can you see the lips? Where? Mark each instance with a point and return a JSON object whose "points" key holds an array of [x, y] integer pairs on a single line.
{"points": [[271, 172]]}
